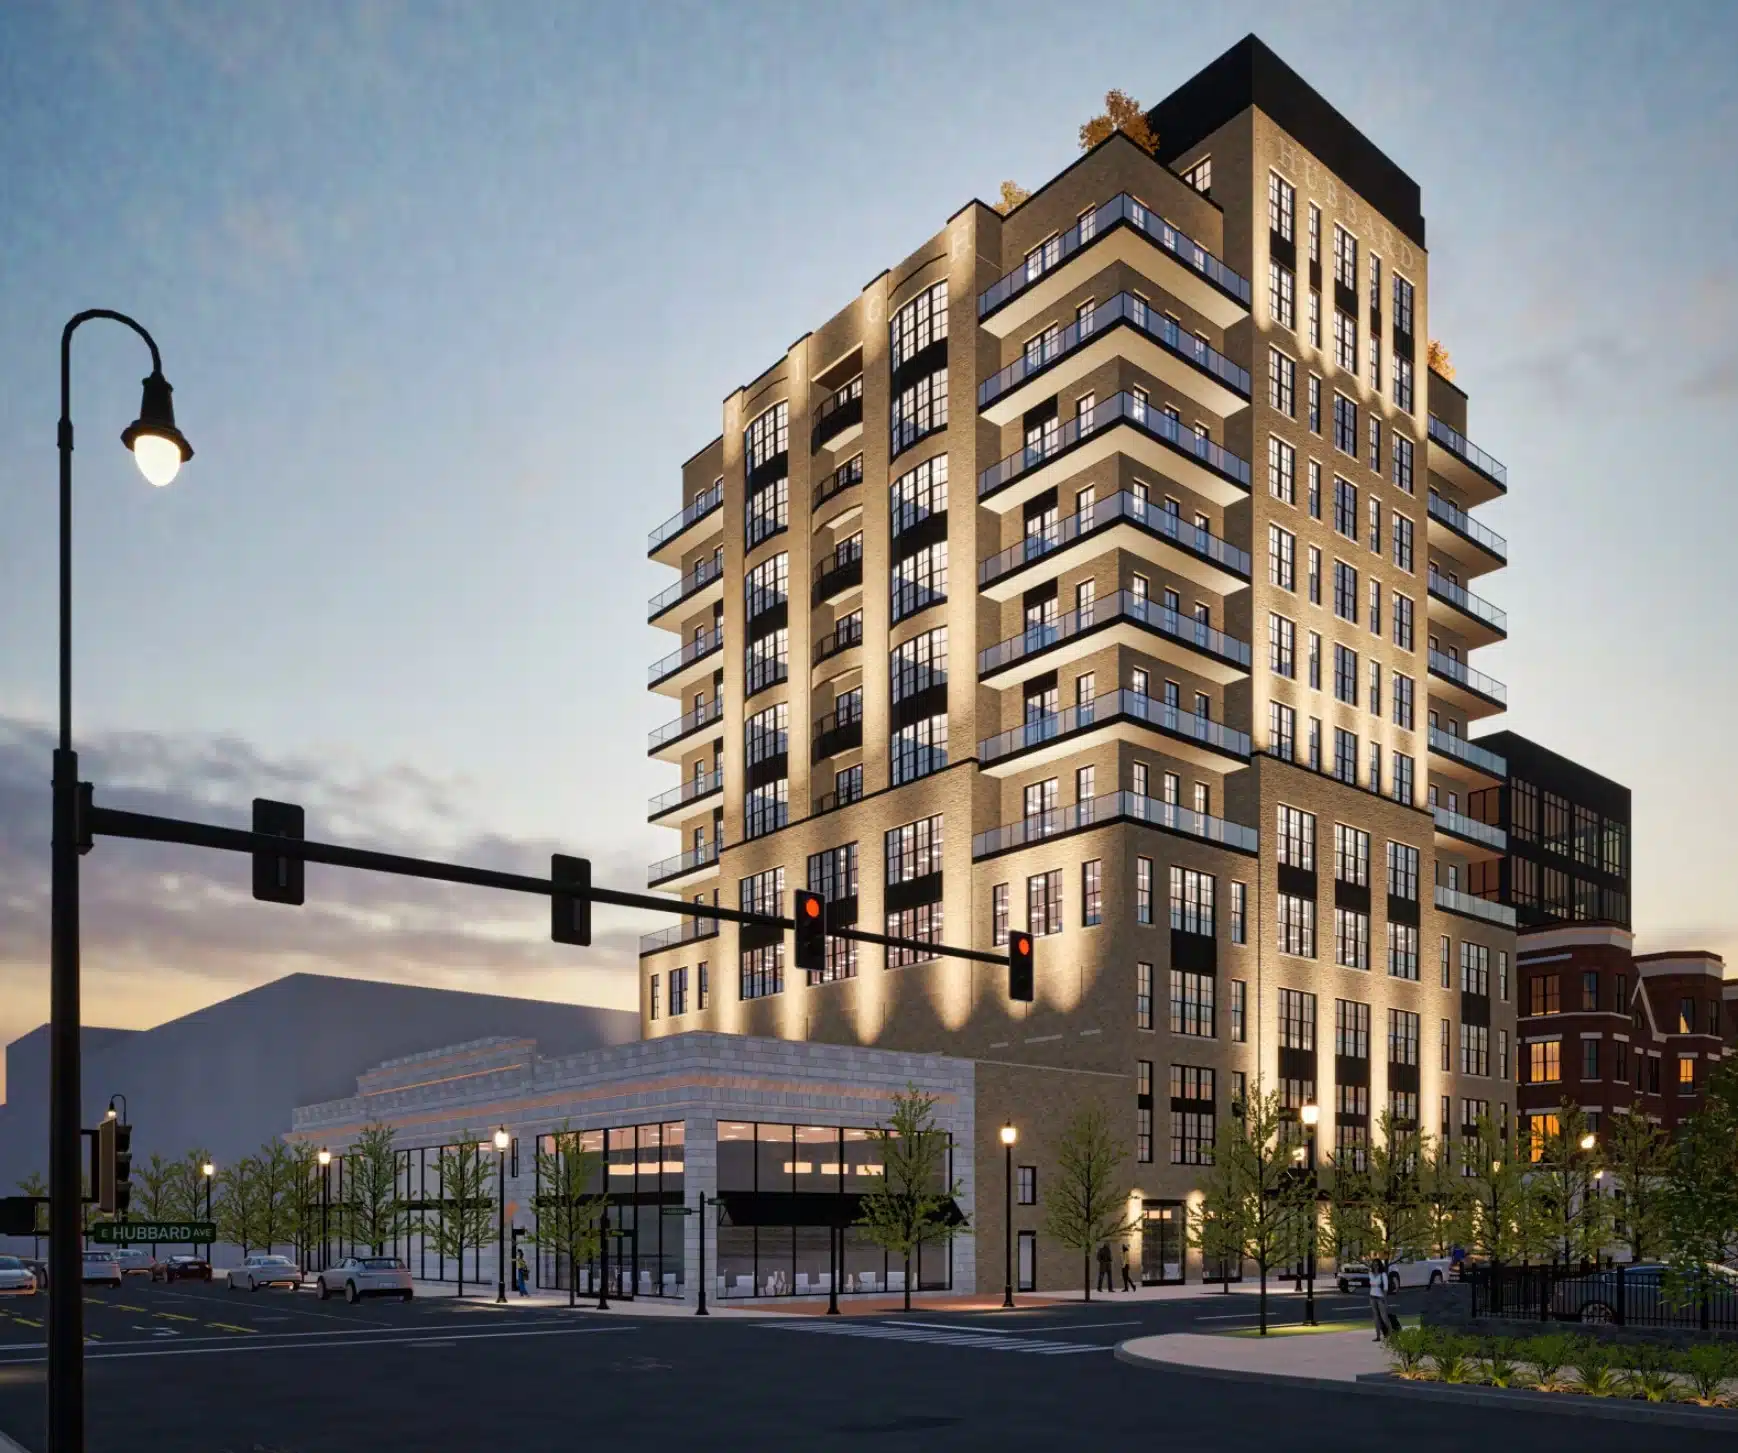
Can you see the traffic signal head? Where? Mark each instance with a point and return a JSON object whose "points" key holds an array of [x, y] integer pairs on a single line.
{"points": [[1020, 965], [123, 1168], [570, 912], [277, 878], [114, 1165], [811, 914]]}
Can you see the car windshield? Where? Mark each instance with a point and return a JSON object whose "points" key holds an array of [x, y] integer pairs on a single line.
{"points": [[99, 1256], [274, 1261], [382, 1263]]}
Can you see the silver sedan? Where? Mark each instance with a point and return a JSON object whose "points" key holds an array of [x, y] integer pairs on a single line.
{"points": [[365, 1276]]}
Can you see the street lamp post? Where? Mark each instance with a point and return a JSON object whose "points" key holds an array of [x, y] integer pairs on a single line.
{"points": [[208, 1170], [502, 1141], [1311, 1113], [700, 1311], [159, 450], [325, 1159], [1009, 1136]]}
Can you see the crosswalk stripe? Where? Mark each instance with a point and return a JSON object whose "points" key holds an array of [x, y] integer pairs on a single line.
{"points": [[963, 1338]]}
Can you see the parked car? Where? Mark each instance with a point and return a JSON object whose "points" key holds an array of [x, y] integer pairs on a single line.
{"points": [[366, 1276], [262, 1269], [135, 1261], [16, 1279], [101, 1266], [1405, 1270], [181, 1268], [1643, 1295], [39, 1269]]}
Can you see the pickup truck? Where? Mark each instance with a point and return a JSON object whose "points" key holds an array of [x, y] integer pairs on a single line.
{"points": [[1405, 1270]]}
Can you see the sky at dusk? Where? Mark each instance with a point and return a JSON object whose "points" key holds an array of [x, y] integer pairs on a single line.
{"points": [[448, 292]]}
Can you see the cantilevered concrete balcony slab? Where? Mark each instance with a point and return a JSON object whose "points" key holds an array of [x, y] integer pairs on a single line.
{"points": [[1124, 619], [1475, 475], [1472, 545], [1125, 716], [1477, 621], [695, 797], [1467, 837], [694, 660], [1121, 230], [675, 739], [1470, 692], [699, 522], [700, 587], [1467, 761]]}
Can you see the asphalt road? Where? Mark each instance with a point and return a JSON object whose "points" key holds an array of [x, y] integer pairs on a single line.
{"points": [[196, 1369]]}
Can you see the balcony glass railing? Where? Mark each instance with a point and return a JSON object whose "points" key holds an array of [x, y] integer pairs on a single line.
{"points": [[690, 791], [1119, 210], [692, 721], [690, 930], [1458, 595], [1457, 443], [701, 506], [1117, 409], [1167, 718], [1471, 753], [1460, 825], [1473, 680], [1123, 308], [1101, 515], [1454, 901], [1113, 807], [1462, 523], [1124, 605], [691, 651], [695, 858], [842, 478], [697, 579]]}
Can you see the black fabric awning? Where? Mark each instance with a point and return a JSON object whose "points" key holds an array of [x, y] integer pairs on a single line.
{"points": [[802, 1208]]}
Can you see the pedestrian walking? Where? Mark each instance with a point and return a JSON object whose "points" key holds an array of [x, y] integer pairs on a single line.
{"points": [[1379, 1299], [521, 1273], [1128, 1281], [1104, 1281]]}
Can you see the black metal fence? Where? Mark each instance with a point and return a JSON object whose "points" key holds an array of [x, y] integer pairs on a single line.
{"points": [[1621, 1296]]}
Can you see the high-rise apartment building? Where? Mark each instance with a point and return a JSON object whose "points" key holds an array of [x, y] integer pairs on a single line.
{"points": [[1105, 569]]}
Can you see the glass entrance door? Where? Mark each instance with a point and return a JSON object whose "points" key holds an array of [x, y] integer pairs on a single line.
{"points": [[1162, 1242]]}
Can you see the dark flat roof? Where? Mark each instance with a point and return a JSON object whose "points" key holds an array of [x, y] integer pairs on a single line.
{"points": [[1541, 766], [1249, 74]]}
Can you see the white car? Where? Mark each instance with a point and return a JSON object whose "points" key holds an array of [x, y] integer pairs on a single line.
{"points": [[100, 1266], [1405, 1270], [264, 1270], [135, 1261], [16, 1279], [365, 1276]]}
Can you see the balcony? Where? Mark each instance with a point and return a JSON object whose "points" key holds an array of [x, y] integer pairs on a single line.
{"points": [[688, 867], [847, 475], [833, 801], [1472, 691], [1122, 327], [835, 734], [696, 792], [1112, 808], [1124, 619], [844, 635], [1457, 833], [1124, 522], [1451, 900], [1121, 230], [839, 421], [1118, 716], [1480, 622], [1147, 435], [1458, 535], [689, 930], [700, 586], [667, 741], [1488, 768], [681, 668], [1476, 475], [840, 571], [666, 545]]}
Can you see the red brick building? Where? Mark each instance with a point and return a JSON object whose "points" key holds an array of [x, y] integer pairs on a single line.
{"points": [[1614, 1032]]}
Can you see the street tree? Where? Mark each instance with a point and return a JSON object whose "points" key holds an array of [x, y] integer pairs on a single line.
{"points": [[913, 1201], [1572, 1215], [374, 1211], [1701, 1190], [1087, 1205], [466, 1220], [154, 1190], [302, 1200], [275, 1168], [1445, 1202], [1638, 1157], [1505, 1217], [1121, 113], [570, 1202], [236, 1207]]}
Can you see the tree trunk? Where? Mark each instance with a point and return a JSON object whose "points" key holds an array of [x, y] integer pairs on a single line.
{"points": [[1086, 1273], [1264, 1299]]}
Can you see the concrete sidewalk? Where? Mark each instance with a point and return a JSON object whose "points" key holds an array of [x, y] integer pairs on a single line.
{"points": [[1314, 1356]]}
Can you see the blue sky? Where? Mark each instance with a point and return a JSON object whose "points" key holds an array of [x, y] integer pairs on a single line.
{"points": [[448, 293]]}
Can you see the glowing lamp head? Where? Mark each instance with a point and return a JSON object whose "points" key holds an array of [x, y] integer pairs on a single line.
{"points": [[208, 1170], [159, 448], [1589, 1140], [325, 1156], [502, 1139], [1311, 1114], [1297, 1154], [111, 1114], [1009, 1134]]}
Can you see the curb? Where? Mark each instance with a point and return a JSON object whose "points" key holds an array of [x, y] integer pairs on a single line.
{"points": [[1384, 1384]]}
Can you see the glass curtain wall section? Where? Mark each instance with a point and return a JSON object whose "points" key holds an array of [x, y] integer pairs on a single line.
{"points": [[644, 1168]]}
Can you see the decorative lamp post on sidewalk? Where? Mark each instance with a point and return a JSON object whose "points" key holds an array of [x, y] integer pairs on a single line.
{"points": [[1009, 1136], [502, 1141], [325, 1159], [1311, 1113], [208, 1170], [159, 449]]}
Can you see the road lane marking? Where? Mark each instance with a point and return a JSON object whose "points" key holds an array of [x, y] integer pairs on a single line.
{"points": [[896, 1333], [128, 1307], [175, 1316], [232, 1344], [231, 1327]]}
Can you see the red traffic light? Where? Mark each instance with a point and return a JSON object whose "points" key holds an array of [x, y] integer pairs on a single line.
{"points": [[811, 916], [1023, 945], [811, 907]]}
